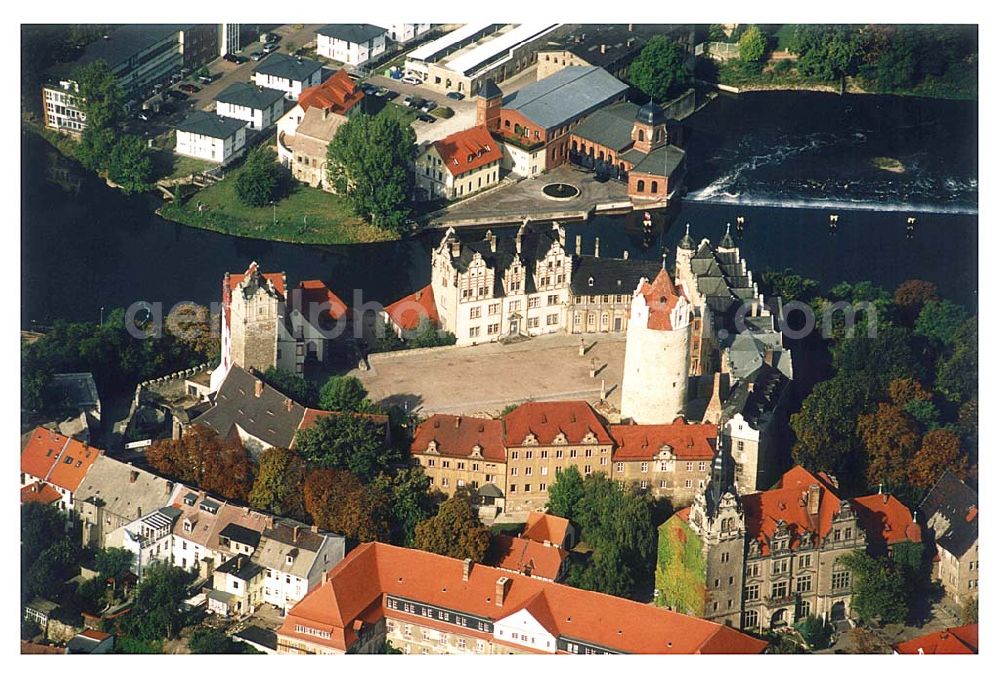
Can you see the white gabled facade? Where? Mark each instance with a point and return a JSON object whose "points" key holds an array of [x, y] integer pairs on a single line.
{"points": [[256, 118], [521, 628], [209, 148], [351, 53], [291, 87], [404, 32]]}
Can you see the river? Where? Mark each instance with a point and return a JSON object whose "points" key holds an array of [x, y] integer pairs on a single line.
{"points": [[783, 161]]}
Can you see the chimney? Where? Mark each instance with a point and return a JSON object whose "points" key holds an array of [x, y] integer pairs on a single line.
{"points": [[769, 357], [603, 48], [169, 486], [630, 28], [288, 405], [597, 247], [314, 528], [750, 386], [466, 569], [133, 476], [456, 247], [295, 533], [885, 498], [625, 255], [258, 388], [458, 421], [812, 503], [520, 233], [971, 514], [239, 563], [417, 295], [500, 593], [579, 244]]}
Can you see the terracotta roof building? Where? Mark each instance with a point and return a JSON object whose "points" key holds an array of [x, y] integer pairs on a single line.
{"points": [[962, 640], [57, 462], [426, 603], [458, 165], [549, 528], [527, 557], [407, 313]]}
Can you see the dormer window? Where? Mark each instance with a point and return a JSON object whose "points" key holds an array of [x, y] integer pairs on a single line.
{"points": [[590, 281], [288, 559], [471, 157]]}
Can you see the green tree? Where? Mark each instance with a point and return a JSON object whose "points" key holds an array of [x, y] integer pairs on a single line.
{"points": [[660, 71], [956, 370], [826, 51], [130, 164], [281, 476], [344, 393], [345, 441], [815, 631], [604, 572], [407, 492], [113, 562], [939, 320], [369, 161], [156, 611], [95, 148], [825, 426], [41, 525], [910, 298], [258, 181], [428, 335], [753, 45], [293, 386], [205, 641], [454, 531], [102, 96], [878, 589], [788, 285], [566, 492]]}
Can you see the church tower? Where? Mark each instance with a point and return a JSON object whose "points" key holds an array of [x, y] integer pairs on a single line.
{"points": [[685, 251], [657, 344], [649, 131], [488, 105], [256, 307], [717, 517]]}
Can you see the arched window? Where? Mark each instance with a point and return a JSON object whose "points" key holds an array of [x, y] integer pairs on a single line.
{"points": [[575, 147], [517, 129], [642, 135], [659, 135], [640, 186], [600, 156], [652, 187]]}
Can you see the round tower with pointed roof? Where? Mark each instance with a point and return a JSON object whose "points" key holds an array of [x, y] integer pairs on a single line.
{"points": [[657, 344]]}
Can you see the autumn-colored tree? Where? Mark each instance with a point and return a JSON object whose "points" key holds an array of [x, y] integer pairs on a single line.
{"points": [[201, 458], [904, 390], [454, 531], [910, 298], [891, 438], [941, 450], [337, 501], [281, 475], [193, 325]]}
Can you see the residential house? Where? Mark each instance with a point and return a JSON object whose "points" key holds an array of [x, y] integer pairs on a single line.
{"points": [[53, 467], [406, 316], [458, 165], [951, 511], [962, 640], [149, 538], [91, 642], [431, 604], [206, 136], [258, 106], [540, 551], [536, 122], [404, 32], [305, 131], [289, 74], [601, 290], [352, 43], [295, 558], [210, 530], [236, 587], [112, 495]]}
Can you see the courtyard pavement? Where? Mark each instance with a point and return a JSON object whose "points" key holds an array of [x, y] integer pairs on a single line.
{"points": [[525, 199], [483, 379]]}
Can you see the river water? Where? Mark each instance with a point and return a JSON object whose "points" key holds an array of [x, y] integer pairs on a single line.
{"points": [[782, 161]]}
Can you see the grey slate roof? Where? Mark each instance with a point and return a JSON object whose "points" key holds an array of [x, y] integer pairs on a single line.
{"points": [[490, 90], [127, 41], [278, 542], [258, 636], [124, 490], [79, 387], [210, 124], [250, 95], [565, 95], [756, 405], [358, 33], [610, 275], [663, 161], [535, 244], [241, 534], [611, 126], [240, 566], [948, 511], [266, 417], [288, 67]]}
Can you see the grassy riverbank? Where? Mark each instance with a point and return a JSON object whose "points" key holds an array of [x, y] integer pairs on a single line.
{"points": [[306, 216]]}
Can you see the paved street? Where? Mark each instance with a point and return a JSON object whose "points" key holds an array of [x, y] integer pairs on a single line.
{"points": [[482, 379]]}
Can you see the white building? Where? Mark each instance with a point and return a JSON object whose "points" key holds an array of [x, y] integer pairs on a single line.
{"points": [[351, 43], [460, 164], [62, 108], [289, 74], [207, 136], [258, 106], [404, 32], [148, 538]]}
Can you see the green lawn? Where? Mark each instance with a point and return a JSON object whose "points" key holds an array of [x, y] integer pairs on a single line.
{"points": [[784, 36], [307, 216], [402, 113], [169, 165]]}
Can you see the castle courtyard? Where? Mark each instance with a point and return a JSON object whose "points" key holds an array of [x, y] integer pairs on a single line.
{"points": [[483, 379]]}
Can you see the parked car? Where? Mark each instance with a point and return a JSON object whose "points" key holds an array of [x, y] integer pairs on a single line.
{"points": [[390, 95], [429, 119], [185, 71], [416, 102], [175, 78], [407, 100], [207, 79], [428, 106], [235, 58], [458, 96], [270, 47], [412, 80], [190, 88], [257, 56], [369, 89], [176, 95], [144, 115]]}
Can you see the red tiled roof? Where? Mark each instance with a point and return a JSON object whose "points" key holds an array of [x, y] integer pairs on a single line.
{"points": [[886, 518], [56, 459], [547, 419], [38, 649], [962, 640], [526, 557], [39, 492], [546, 528], [687, 441], [95, 634], [456, 436], [468, 149], [314, 293], [407, 312], [354, 590], [661, 298], [338, 94], [788, 503]]}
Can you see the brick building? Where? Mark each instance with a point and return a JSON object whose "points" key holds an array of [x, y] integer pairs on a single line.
{"points": [[458, 165]]}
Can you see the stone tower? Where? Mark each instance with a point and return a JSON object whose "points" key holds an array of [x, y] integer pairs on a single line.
{"points": [[488, 105], [717, 518], [682, 267], [657, 343], [255, 310], [649, 131]]}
